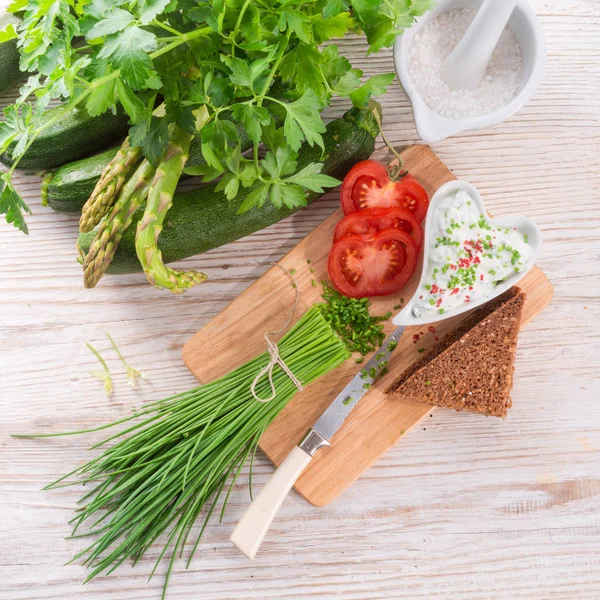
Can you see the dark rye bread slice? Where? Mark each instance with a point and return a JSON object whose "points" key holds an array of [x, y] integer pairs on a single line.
{"points": [[471, 368]]}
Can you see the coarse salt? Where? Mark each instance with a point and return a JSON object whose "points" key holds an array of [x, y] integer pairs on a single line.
{"points": [[433, 44]]}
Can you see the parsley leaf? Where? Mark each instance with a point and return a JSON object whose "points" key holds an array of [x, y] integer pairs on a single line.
{"points": [[152, 136], [366, 12], [348, 82], [333, 7], [381, 33], [251, 117], [334, 65], [245, 74], [220, 134], [273, 136], [129, 50], [7, 135], [302, 67], [12, 205], [311, 177], [116, 20], [279, 184], [290, 195], [16, 126], [303, 121], [256, 197], [333, 27], [230, 182], [8, 33], [375, 86], [150, 9], [133, 106], [280, 163], [101, 98], [298, 22]]}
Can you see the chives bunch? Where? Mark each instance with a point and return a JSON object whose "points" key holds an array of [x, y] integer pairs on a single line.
{"points": [[179, 454]]}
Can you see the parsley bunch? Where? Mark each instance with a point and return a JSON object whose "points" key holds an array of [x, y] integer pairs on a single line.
{"points": [[193, 65]]}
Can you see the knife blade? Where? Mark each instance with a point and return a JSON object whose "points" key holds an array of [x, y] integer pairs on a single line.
{"points": [[337, 412], [254, 524]]}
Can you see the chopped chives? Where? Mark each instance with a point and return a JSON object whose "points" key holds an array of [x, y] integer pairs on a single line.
{"points": [[351, 320]]}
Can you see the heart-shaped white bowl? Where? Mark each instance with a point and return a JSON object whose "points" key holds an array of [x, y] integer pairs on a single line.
{"points": [[522, 224]]}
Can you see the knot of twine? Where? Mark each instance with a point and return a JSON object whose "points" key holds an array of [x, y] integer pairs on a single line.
{"points": [[273, 351]]}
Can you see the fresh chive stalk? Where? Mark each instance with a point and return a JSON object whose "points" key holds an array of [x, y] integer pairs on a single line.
{"points": [[175, 459]]}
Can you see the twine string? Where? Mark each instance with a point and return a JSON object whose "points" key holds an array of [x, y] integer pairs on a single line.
{"points": [[273, 350]]}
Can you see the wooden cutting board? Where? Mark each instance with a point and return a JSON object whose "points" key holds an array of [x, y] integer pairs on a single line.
{"points": [[378, 422]]}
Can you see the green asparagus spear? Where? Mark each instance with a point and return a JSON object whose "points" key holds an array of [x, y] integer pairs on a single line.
{"points": [[107, 189], [160, 200], [111, 228]]}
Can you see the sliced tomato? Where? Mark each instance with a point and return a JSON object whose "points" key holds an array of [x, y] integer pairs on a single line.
{"points": [[368, 185], [372, 220], [360, 267]]}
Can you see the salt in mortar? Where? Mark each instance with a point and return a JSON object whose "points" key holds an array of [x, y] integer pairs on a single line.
{"points": [[434, 43]]}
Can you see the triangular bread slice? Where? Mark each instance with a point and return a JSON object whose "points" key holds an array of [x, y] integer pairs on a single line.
{"points": [[471, 368]]}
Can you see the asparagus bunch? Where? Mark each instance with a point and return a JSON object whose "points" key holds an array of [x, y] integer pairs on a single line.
{"points": [[160, 200], [116, 173], [111, 228], [150, 185]]}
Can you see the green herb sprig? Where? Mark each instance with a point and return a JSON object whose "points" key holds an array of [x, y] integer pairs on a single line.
{"points": [[132, 374], [104, 375]]}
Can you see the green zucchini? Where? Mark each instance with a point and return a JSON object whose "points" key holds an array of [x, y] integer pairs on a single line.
{"points": [[74, 135], [67, 189], [9, 54], [204, 219]]}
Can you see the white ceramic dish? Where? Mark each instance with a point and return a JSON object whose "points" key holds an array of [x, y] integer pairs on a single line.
{"points": [[523, 224], [433, 127]]}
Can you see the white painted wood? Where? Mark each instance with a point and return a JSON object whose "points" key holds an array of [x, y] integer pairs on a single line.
{"points": [[252, 528], [464, 508]]}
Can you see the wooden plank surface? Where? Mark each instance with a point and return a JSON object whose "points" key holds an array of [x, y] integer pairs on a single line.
{"points": [[462, 509], [236, 335]]}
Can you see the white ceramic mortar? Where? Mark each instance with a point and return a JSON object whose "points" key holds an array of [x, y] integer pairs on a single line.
{"points": [[433, 127]]}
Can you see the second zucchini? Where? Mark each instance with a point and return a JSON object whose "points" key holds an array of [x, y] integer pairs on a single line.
{"points": [[74, 135]]}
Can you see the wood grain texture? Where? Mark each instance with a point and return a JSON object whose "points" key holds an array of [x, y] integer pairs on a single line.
{"points": [[236, 335], [464, 508]]}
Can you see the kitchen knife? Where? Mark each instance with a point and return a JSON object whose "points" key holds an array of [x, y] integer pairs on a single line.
{"points": [[253, 526]]}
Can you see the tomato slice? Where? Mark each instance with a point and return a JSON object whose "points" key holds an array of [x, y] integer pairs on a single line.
{"points": [[371, 220], [360, 267], [415, 198], [367, 185]]}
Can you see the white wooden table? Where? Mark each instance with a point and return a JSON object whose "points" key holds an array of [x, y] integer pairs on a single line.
{"points": [[464, 508]]}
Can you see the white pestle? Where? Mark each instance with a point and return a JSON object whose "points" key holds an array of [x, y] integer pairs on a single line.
{"points": [[465, 67]]}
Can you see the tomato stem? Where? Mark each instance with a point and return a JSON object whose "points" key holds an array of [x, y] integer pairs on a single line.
{"points": [[395, 172]]}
